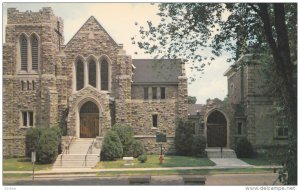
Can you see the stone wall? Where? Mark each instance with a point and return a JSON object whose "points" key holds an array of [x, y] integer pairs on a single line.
{"points": [[13, 146], [36, 96], [137, 91], [141, 116], [151, 147]]}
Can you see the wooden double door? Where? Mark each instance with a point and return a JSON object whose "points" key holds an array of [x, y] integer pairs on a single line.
{"points": [[216, 135], [89, 125]]}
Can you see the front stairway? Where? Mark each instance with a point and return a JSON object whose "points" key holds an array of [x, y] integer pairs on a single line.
{"points": [[83, 153], [216, 153]]}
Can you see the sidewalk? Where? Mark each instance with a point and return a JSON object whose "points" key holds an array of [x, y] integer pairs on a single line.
{"points": [[81, 171]]}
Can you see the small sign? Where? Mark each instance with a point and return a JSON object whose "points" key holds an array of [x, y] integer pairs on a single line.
{"points": [[33, 157], [160, 137]]}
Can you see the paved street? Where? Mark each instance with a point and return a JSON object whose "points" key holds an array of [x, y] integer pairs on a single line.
{"points": [[217, 179]]}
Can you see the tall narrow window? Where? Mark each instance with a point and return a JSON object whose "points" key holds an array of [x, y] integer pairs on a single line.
{"points": [[154, 93], [146, 93], [104, 75], [28, 85], [154, 121], [34, 52], [92, 73], [239, 128], [24, 52], [23, 85], [33, 85], [27, 118], [79, 75], [162, 93]]}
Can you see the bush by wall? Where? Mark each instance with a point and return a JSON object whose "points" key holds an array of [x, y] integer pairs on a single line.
{"points": [[48, 146], [137, 148], [198, 146], [142, 158], [112, 147], [184, 137], [125, 134], [45, 141], [244, 149], [32, 138]]}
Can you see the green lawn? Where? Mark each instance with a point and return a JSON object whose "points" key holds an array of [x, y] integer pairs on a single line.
{"points": [[187, 172], [258, 161], [22, 164], [153, 162]]}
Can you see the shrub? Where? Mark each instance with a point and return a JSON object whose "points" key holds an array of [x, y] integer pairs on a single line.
{"points": [[125, 134], [142, 158], [244, 149], [199, 145], [48, 146], [112, 147], [32, 140], [137, 148], [183, 137]]}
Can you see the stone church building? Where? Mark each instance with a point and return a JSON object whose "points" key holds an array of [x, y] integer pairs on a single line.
{"points": [[248, 112], [88, 83]]}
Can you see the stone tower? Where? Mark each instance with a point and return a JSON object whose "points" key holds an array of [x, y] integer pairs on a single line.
{"points": [[30, 75]]}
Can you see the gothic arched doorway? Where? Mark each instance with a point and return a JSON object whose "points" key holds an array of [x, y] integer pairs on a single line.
{"points": [[216, 130], [89, 120]]}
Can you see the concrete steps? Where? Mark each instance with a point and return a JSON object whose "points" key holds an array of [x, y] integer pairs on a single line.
{"points": [[78, 157], [216, 153]]}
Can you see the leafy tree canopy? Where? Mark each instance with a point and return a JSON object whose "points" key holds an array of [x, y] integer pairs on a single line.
{"points": [[192, 99]]}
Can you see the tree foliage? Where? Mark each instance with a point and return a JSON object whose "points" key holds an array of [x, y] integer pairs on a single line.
{"points": [[112, 148], [198, 32], [183, 140], [192, 99]]}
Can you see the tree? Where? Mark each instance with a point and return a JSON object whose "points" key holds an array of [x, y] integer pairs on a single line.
{"points": [[192, 99], [186, 29]]}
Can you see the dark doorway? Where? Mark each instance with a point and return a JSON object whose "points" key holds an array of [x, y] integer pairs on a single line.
{"points": [[89, 120], [216, 130]]}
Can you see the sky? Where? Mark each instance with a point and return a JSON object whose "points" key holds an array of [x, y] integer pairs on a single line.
{"points": [[119, 21]]}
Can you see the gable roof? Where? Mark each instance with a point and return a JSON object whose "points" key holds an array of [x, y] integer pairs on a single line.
{"points": [[156, 70], [92, 19], [193, 108]]}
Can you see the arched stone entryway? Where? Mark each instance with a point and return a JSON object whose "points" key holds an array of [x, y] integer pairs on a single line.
{"points": [[216, 129], [89, 120]]}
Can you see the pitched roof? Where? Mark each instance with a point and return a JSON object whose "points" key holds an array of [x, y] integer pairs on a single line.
{"points": [[193, 108], [156, 71], [91, 19]]}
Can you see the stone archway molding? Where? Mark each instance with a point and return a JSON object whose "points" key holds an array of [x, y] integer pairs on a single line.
{"points": [[227, 123]]}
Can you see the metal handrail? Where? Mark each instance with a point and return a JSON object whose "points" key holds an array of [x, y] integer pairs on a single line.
{"points": [[66, 150], [90, 148]]}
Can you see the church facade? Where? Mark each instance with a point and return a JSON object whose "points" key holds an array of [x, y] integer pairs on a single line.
{"points": [[84, 86]]}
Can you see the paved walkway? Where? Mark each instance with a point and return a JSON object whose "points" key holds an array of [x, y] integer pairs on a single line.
{"points": [[216, 179], [230, 162], [71, 171]]}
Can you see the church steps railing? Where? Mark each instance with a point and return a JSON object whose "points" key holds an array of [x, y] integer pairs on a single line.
{"points": [[90, 149], [66, 150]]}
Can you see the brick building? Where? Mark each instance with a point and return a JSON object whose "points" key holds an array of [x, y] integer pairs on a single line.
{"points": [[85, 85]]}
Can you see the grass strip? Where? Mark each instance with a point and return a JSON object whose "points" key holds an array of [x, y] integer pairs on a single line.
{"points": [[186, 172], [153, 162], [23, 164]]}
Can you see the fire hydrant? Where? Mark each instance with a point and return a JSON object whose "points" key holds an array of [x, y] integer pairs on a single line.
{"points": [[161, 159]]}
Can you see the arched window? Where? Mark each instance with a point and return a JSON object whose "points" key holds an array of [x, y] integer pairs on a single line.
{"points": [[34, 52], [79, 75], [92, 73], [24, 52], [104, 75]]}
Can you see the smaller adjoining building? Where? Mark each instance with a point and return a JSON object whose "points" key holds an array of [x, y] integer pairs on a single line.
{"points": [[248, 111]]}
